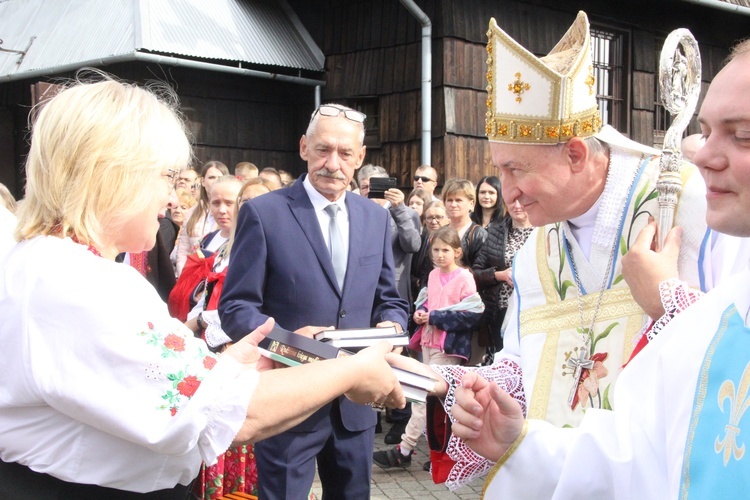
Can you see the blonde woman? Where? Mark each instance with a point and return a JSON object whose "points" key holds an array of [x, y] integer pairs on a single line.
{"points": [[459, 200], [104, 395]]}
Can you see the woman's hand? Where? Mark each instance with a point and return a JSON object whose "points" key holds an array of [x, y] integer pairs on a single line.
{"points": [[373, 380], [421, 316], [412, 365], [505, 275], [246, 350]]}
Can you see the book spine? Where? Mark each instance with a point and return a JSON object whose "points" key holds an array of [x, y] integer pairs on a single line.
{"points": [[298, 356]]}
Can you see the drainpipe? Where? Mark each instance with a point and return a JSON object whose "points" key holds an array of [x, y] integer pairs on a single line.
{"points": [[721, 5], [420, 16], [165, 60]]}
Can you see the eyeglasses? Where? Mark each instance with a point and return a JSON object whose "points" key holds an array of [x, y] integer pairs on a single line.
{"points": [[435, 218], [171, 175], [423, 179], [349, 114]]}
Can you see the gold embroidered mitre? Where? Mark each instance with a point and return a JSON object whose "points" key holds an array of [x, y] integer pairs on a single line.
{"points": [[541, 100]]}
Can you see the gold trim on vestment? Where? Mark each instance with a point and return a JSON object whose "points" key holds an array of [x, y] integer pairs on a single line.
{"points": [[513, 447], [700, 398]]}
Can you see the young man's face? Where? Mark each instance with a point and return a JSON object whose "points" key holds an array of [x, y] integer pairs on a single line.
{"points": [[425, 179], [724, 159]]}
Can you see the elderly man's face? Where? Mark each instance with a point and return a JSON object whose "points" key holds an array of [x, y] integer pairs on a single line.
{"points": [[333, 152], [724, 159], [539, 178]]}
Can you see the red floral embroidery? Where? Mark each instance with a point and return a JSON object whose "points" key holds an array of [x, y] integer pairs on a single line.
{"points": [[588, 385], [209, 362], [174, 342], [150, 326], [188, 385], [173, 411]]}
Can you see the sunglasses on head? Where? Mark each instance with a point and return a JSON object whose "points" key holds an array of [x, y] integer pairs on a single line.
{"points": [[423, 178], [349, 114]]}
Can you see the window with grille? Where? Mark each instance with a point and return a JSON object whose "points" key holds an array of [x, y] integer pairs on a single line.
{"points": [[609, 53]]}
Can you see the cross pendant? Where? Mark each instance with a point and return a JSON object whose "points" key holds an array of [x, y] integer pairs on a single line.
{"points": [[579, 363]]}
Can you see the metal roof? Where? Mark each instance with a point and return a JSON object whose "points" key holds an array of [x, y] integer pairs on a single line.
{"points": [[60, 33]]}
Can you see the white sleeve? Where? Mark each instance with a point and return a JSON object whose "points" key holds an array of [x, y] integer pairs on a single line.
{"points": [[605, 457], [724, 256], [112, 358]]}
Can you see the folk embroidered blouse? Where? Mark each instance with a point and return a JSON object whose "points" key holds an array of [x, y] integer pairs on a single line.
{"points": [[99, 384]]}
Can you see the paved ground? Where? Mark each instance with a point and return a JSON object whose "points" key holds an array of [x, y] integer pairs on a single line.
{"points": [[412, 482]]}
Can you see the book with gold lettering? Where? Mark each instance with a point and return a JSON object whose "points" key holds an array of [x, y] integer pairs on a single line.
{"points": [[293, 349]]}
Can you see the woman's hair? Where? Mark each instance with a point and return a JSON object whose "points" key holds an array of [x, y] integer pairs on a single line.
{"points": [[424, 195], [224, 179], [450, 237], [94, 148], [257, 181], [463, 187], [499, 211], [185, 197], [7, 199], [202, 208], [434, 204]]}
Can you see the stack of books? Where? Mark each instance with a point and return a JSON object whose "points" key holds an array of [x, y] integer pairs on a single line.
{"points": [[359, 338], [293, 349]]}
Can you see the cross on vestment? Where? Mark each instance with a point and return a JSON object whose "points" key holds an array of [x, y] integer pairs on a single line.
{"points": [[578, 363]]}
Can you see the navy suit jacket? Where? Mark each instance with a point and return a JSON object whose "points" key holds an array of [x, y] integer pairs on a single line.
{"points": [[280, 267]]}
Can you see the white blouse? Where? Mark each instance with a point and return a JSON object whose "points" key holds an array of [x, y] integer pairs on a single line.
{"points": [[99, 385]]}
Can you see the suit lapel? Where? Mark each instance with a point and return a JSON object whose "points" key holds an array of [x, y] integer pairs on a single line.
{"points": [[304, 213]]}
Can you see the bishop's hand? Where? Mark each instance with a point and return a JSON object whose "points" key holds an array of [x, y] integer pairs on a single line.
{"points": [[487, 418]]}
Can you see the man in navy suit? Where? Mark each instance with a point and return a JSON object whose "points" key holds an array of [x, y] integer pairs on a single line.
{"points": [[282, 267]]}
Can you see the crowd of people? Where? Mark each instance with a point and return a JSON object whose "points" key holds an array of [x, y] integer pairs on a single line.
{"points": [[523, 296]]}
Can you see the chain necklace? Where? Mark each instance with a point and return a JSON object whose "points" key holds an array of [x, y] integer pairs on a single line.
{"points": [[583, 358]]}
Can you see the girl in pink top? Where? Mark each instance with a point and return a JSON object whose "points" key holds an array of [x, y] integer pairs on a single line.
{"points": [[447, 311]]}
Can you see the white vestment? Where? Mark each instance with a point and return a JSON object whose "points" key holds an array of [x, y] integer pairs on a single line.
{"points": [[544, 322], [676, 428], [99, 384]]}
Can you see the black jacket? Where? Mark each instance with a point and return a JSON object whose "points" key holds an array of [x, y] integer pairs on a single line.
{"points": [[491, 258]]}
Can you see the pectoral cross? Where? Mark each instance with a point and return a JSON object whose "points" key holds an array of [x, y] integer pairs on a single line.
{"points": [[578, 364]]}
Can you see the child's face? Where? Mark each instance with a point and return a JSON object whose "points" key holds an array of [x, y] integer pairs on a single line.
{"points": [[444, 255]]}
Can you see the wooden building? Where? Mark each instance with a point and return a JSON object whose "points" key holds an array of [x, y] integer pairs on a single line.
{"points": [[373, 52], [371, 59]]}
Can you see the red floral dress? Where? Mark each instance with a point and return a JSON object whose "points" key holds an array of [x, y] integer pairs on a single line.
{"points": [[235, 471]]}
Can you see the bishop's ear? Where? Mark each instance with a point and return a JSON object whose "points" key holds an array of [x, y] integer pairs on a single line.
{"points": [[577, 153]]}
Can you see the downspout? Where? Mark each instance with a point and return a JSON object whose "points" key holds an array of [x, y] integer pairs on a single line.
{"points": [[420, 16], [720, 5], [165, 60]]}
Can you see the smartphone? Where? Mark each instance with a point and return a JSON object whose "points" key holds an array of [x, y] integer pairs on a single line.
{"points": [[379, 185]]}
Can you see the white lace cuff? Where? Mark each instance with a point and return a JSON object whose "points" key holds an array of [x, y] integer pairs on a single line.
{"points": [[469, 465], [215, 336], [676, 296]]}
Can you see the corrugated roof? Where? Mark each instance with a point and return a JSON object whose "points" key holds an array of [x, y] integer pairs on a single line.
{"points": [[64, 32]]}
